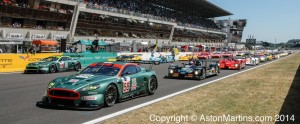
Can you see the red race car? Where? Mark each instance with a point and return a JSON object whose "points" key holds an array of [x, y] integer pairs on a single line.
{"points": [[216, 55], [228, 54], [233, 63], [204, 55]]}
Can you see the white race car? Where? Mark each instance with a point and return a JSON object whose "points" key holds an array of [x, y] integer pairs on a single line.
{"points": [[250, 60]]}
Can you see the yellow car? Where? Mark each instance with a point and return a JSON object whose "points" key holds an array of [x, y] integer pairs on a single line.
{"points": [[269, 56], [111, 59], [187, 57], [137, 57], [134, 57], [240, 53]]}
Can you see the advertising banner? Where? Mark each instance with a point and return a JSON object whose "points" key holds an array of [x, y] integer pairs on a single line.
{"points": [[18, 62], [89, 58]]}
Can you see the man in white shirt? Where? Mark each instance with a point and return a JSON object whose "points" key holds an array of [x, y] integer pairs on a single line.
{"points": [[1, 51]]}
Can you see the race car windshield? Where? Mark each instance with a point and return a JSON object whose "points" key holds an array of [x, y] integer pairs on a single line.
{"points": [[101, 70], [226, 57], [49, 59]]}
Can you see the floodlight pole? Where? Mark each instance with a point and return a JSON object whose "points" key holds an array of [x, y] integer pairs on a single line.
{"points": [[275, 43]]}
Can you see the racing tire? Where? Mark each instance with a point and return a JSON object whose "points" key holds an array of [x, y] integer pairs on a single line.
{"points": [[152, 85], [156, 63], [111, 95], [77, 67], [52, 69], [203, 75], [217, 71]]}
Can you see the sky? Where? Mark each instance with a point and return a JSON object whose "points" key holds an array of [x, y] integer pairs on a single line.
{"points": [[267, 20]]}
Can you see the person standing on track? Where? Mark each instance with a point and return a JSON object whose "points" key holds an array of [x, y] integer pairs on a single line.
{"points": [[1, 51]]}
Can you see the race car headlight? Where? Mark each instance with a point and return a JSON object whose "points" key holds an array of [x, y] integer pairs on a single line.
{"points": [[196, 72], [236, 65], [218, 64], [171, 71], [50, 85], [90, 87]]}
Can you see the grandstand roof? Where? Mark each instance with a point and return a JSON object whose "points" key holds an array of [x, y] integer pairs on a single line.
{"points": [[205, 8]]}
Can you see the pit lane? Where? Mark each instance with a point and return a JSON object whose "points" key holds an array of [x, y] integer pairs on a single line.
{"points": [[20, 92]]}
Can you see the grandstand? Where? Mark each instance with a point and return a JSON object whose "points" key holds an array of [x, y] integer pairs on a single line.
{"points": [[294, 43], [172, 22]]}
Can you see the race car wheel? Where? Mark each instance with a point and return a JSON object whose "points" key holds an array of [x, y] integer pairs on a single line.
{"points": [[203, 75], [156, 63], [77, 67], [152, 85], [111, 95], [217, 71], [52, 69]]}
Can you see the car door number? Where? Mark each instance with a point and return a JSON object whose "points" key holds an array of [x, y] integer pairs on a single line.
{"points": [[126, 84], [63, 64]]}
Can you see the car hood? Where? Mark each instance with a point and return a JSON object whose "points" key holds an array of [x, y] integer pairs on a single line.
{"points": [[78, 81]]}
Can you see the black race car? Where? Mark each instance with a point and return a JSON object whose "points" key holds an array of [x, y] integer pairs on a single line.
{"points": [[199, 69]]}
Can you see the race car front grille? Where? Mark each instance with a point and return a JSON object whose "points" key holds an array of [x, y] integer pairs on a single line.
{"points": [[32, 68], [62, 101], [63, 94]]}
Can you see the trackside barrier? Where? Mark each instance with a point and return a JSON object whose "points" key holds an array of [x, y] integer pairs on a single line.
{"points": [[89, 58], [18, 62]]}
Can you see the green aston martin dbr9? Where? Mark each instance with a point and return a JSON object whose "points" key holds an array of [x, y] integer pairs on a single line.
{"points": [[54, 64], [100, 84]]}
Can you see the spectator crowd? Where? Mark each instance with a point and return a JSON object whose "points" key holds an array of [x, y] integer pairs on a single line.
{"points": [[152, 10]]}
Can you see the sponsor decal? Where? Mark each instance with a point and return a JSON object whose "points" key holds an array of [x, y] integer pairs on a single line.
{"points": [[126, 84], [15, 36], [84, 76], [89, 98], [73, 80], [38, 36], [133, 85], [27, 57], [24, 57], [5, 62]]}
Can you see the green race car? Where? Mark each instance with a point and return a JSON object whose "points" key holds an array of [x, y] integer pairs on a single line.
{"points": [[54, 64], [100, 84]]}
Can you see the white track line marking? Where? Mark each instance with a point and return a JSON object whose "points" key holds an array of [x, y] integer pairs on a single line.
{"points": [[171, 95], [11, 72]]}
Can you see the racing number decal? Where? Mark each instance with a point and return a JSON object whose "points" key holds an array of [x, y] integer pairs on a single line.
{"points": [[126, 84], [61, 65]]}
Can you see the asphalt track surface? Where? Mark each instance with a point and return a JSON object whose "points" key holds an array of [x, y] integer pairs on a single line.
{"points": [[20, 92]]}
